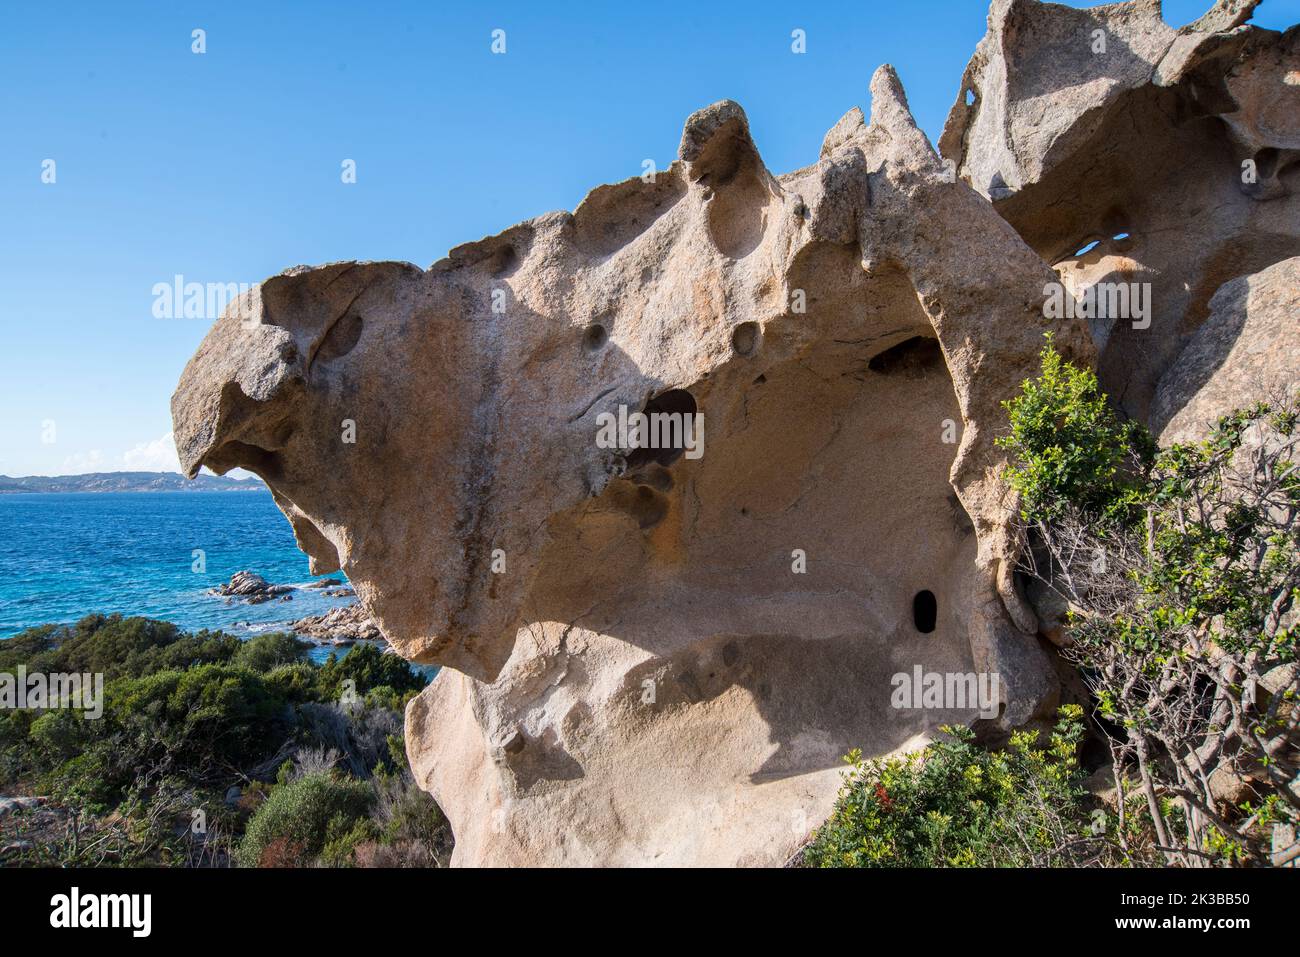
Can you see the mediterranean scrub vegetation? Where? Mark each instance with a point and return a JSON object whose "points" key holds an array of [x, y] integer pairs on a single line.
{"points": [[1176, 572], [213, 751]]}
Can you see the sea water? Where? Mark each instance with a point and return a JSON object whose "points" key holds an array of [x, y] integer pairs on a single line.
{"points": [[66, 555]]}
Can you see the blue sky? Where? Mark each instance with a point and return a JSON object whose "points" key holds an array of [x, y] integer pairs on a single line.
{"points": [[225, 167]]}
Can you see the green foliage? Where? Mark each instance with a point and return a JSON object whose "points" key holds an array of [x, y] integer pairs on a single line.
{"points": [[301, 817], [413, 815], [955, 804], [1181, 567], [294, 682], [342, 837], [1069, 447], [115, 647], [185, 717], [198, 723], [368, 668], [265, 652]]}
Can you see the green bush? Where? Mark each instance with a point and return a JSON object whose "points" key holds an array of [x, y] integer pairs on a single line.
{"points": [[1068, 446], [1180, 568], [294, 682], [265, 652], [115, 647], [301, 817], [367, 667], [198, 723], [185, 717], [955, 804]]}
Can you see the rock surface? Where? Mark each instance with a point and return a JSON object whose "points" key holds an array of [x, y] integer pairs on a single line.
{"points": [[654, 658], [252, 588], [1248, 348], [344, 625], [1176, 152]]}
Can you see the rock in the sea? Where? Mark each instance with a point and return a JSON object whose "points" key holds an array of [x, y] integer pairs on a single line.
{"points": [[654, 656], [345, 625], [252, 588]]}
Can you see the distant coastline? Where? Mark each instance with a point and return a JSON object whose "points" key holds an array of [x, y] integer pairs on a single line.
{"points": [[127, 482]]}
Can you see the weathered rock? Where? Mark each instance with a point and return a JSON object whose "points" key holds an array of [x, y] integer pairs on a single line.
{"points": [[252, 588], [1248, 348], [1105, 125], [654, 677], [9, 805], [657, 658], [346, 624]]}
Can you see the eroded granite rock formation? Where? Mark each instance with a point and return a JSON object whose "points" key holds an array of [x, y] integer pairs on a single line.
{"points": [[658, 658], [1176, 151], [1247, 350]]}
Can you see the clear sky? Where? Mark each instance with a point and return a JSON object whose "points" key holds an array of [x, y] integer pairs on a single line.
{"points": [[226, 166]]}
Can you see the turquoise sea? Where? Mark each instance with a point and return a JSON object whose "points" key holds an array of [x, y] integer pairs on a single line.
{"points": [[63, 556]]}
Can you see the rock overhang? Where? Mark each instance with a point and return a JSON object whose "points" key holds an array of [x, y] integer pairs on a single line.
{"points": [[636, 671]]}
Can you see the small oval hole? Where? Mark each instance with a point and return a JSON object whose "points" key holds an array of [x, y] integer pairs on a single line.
{"points": [[594, 337], [925, 611], [745, 339]]}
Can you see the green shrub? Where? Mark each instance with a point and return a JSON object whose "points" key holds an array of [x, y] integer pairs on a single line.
{"points": [[295, 682], [198, 723], [955, 804], [367, 667], [342, 835], [300, 817], [116, 647], [1181, 570], [265, 652], [1069, 447], [188, 715]]}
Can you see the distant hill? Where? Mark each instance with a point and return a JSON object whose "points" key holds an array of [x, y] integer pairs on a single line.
{"points": [[128, 482]]}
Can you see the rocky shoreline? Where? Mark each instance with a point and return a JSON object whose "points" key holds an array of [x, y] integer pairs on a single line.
{"points": [[339, 626], [344, 625]]}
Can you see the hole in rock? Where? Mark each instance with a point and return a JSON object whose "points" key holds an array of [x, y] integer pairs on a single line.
{"points": [[912, 357], [594, 337], [970, 97], [667, 420], [655, 476], [503, 261], [1085, 249], [1266, 162], [648, 508], [1119, 236], [341, 338], [925, 611], [745, 338]]}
